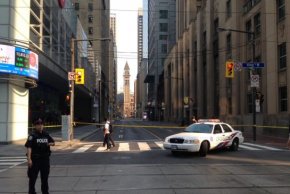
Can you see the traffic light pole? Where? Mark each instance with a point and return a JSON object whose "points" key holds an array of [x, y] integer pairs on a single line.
{"points": [[254, 91], [72, 84]]}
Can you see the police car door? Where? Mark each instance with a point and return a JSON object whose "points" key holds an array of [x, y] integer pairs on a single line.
{"points": [[218, 136]]}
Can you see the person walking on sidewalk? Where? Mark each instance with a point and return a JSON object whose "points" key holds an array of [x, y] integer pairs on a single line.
{"points": [[38, 153], [106, 131]]}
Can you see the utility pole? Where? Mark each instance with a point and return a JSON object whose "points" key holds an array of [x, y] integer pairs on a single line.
{"points": [[254, 91], [72, 92]]}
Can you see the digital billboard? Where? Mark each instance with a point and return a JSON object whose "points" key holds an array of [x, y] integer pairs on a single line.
{"points": [[19, 61]]}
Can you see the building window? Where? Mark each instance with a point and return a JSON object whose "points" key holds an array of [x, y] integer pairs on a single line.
{"points": [[283, 99], [229, 8], [257, 23], [90, 19], [163, 14], [163, 27], [249, 29], [77, 6], [282, 55], [229, 46], [281, 9], [90, 6], [164, 48], [91, 30], [163, 37]]}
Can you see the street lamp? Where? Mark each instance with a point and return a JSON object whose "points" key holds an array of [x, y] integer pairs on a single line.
{"points": [[72, 83], [251, 72]]}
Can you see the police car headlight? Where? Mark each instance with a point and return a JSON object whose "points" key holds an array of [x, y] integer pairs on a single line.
{"points": [[166, 140], [191, 141]]}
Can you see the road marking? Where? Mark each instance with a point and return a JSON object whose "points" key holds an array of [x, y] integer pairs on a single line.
{"points": [[160, 145], [248, 148], [143, 146], [265, 147], [124, 147], [101, 149], [11, 161], [83, 149]]}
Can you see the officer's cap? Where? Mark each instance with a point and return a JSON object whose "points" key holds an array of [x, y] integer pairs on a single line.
{"points": [[38, 122]]}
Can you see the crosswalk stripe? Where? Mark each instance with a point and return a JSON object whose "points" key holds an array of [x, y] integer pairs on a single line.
{"points": [[83, 148], [261, 146], [124, 147], [100, 149], [143, 146], [160, 145], [248, 148], [135, 146], [10, 163], [12, 160]]}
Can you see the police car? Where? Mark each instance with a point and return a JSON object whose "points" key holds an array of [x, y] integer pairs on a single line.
{"points": [[205, 135]]}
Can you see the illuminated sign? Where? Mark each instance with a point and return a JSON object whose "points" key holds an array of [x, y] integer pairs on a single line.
{"points": [[19, 61]]}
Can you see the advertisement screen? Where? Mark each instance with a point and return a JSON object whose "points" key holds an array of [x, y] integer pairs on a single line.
{"points": [[19, 61]]}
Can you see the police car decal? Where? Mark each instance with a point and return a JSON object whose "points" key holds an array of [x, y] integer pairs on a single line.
{"points": [[227, 139]]}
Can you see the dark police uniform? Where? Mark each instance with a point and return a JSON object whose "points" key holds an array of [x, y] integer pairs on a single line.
{"points": [[40, 152]]}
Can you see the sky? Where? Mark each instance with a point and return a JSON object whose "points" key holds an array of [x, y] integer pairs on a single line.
{"points": [[126, 12]]}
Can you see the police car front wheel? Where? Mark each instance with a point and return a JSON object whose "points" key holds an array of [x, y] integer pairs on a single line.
{"points": [[203, 149], [235, 145]]}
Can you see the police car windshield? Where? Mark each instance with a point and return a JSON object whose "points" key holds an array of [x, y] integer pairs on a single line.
{"points": [[199, 128]]}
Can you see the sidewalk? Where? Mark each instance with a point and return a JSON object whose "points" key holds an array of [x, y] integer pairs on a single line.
{"points": [[80, 133]]}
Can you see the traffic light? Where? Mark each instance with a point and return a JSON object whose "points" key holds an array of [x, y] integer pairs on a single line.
{"points": [[230, 69], [79, 76]]}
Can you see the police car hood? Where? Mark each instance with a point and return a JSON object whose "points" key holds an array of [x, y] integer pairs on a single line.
{"points": [[188, 135]]}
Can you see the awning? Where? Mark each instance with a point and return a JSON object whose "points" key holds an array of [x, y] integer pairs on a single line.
{"points": [[149, 79]]}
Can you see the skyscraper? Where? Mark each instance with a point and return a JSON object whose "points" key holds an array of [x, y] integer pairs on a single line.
{"points": [[161, 36]]}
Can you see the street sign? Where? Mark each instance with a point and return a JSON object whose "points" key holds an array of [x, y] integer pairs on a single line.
{"points": [[237, 66], [71, 75], [255, 81], [253, 65], [258, 107]]}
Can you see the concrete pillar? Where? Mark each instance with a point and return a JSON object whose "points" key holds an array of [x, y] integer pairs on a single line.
{"points": [[13, 111]]}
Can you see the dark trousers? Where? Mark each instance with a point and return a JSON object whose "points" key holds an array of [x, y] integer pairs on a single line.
{"points": [[107, 141], [42, 165], [110, 139]]}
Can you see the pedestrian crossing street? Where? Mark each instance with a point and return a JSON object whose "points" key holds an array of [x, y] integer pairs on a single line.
{"points": [[7, 162], [151, 146]]}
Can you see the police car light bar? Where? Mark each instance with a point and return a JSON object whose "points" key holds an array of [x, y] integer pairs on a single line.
{"points": [[209, 120]]}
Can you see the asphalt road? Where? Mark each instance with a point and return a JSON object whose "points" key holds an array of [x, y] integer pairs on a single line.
{"points": [[88, 168]]}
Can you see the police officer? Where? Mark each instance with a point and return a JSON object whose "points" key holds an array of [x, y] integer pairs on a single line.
{"points": [[38, 152]]}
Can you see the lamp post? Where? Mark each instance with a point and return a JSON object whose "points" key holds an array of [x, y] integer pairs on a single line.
{"points": [[72, 83], [254, 91]]}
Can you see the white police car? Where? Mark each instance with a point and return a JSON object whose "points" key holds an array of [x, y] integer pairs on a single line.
{"points": [[207, 134]]}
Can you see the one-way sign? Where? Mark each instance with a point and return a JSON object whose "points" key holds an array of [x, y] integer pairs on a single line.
{"points": [[253, 65]]}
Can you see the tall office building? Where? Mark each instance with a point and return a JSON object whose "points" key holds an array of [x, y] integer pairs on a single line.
{"points": [[44, 28], [95, 19], [142, 88], [259, 33], [113, 25], [161, 36], [113, 69], [140, 38]]}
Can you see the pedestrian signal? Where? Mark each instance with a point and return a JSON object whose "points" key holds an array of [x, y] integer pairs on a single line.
{"points": [[79, 76], [229, 69]]}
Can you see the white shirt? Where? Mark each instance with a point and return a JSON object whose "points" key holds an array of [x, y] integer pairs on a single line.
{"points": [[107, 126]]}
